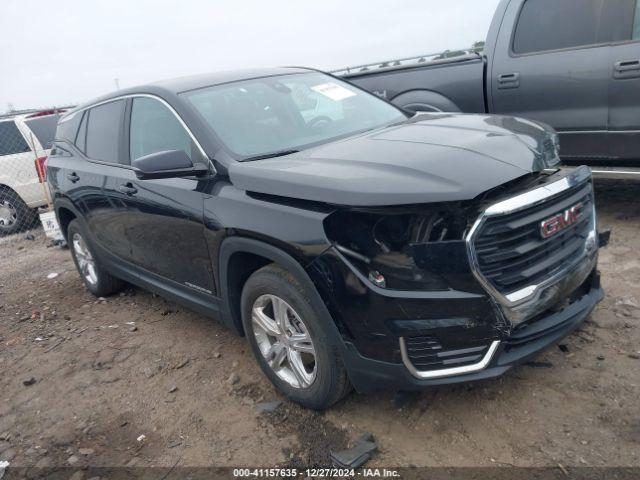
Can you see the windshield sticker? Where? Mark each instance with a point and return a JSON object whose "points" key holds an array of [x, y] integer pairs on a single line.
{"points": [[333, 91]]}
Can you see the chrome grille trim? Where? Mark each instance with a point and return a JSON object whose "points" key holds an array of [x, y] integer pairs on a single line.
{"points": [[447, 372], [539, 195], [529, 199]]}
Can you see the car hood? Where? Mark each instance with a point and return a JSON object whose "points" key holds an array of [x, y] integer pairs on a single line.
{"points": [[429, 158]]}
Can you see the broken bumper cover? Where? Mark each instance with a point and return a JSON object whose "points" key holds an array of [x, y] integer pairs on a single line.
{"points": [[499, 356]]}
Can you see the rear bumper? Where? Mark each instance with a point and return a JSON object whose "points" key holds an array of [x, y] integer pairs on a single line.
{"points": [[520, 346]]}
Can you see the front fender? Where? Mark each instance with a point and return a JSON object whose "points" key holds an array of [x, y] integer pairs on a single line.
{"points": [[231, 297]]}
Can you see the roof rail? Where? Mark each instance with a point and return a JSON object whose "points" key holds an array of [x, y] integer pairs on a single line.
{"points": [[408, 61]]}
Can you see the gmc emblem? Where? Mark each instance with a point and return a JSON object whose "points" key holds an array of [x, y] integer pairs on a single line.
{"points": [[559, 222]]}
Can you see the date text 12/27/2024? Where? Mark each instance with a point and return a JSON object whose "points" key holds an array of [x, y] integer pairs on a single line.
{"points": [[315, 473]]}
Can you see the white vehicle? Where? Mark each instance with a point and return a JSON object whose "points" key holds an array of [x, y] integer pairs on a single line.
{"points": [[25, 142]]}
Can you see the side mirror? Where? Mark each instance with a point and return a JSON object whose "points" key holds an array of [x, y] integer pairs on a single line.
{"points": [[167, 164]]}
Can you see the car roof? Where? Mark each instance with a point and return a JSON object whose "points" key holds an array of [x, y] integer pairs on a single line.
{"points": [[178, 85], [193, 82]]}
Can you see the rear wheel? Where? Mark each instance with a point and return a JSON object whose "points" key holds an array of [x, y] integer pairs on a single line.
{"points": [[290, 341], [15, 215], [97, 280]]}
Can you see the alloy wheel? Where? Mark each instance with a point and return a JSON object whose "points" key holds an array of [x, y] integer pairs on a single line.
{"points": [[284, 341], [86, 263]]}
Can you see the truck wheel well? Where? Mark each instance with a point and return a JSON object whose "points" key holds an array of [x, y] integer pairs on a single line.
{"points": [[241, 266], [425, 100], [65, 216], [7, 188]]}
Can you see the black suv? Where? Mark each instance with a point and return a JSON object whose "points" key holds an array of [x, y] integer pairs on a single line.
{"points": [[353, 244]]}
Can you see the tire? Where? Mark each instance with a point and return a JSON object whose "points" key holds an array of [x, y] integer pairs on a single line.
{"points": [[15, 215], [324, 381], [97, 280]]}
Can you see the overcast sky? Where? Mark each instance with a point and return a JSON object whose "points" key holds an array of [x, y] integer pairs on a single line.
{"points": [[68, 51]]}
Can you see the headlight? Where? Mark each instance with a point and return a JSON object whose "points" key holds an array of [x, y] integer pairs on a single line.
{"points": [[552, 150], [388, 245]]}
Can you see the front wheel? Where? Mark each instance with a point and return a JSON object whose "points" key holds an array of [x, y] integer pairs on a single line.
{"points": [[289, 340], [97, 280]]}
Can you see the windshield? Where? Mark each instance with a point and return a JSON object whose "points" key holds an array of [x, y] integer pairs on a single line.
{"points": [[266, 116]]}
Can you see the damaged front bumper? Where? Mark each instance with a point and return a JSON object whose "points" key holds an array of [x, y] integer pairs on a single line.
{"points": [[415, 340], [521, 345], [462, 323]]}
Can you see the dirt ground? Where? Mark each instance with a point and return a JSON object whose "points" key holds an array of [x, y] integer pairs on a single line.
{"points": [[83, 379]]}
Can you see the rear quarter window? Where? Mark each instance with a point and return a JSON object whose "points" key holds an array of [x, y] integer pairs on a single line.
{"points": [[68, 127], [11, 140], [81, 138]]}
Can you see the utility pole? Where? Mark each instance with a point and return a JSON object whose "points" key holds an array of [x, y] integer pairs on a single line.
{"points": [[117, 82]]}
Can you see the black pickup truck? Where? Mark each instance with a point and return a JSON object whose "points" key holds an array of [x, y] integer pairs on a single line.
{"points": [[572, 64]]}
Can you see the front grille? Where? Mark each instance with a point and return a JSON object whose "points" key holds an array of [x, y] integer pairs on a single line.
{"points": [[511, 252], [426, 353]]}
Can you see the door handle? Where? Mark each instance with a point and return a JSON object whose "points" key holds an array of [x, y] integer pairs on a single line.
{"points": [[626, 69], [73, 177], [127, 189], [509, 80], [627, 66]]}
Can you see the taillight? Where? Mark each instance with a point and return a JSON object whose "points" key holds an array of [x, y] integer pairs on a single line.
{"points": [[41, 168], [44, 113]]}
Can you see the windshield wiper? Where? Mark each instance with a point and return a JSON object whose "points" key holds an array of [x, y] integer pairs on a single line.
{"points": [[281, 153]]}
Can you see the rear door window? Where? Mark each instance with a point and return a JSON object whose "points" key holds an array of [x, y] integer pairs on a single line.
{"points": [[44, 128], [559, 24], [618, 17], [11, 140], [103, 131]]}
